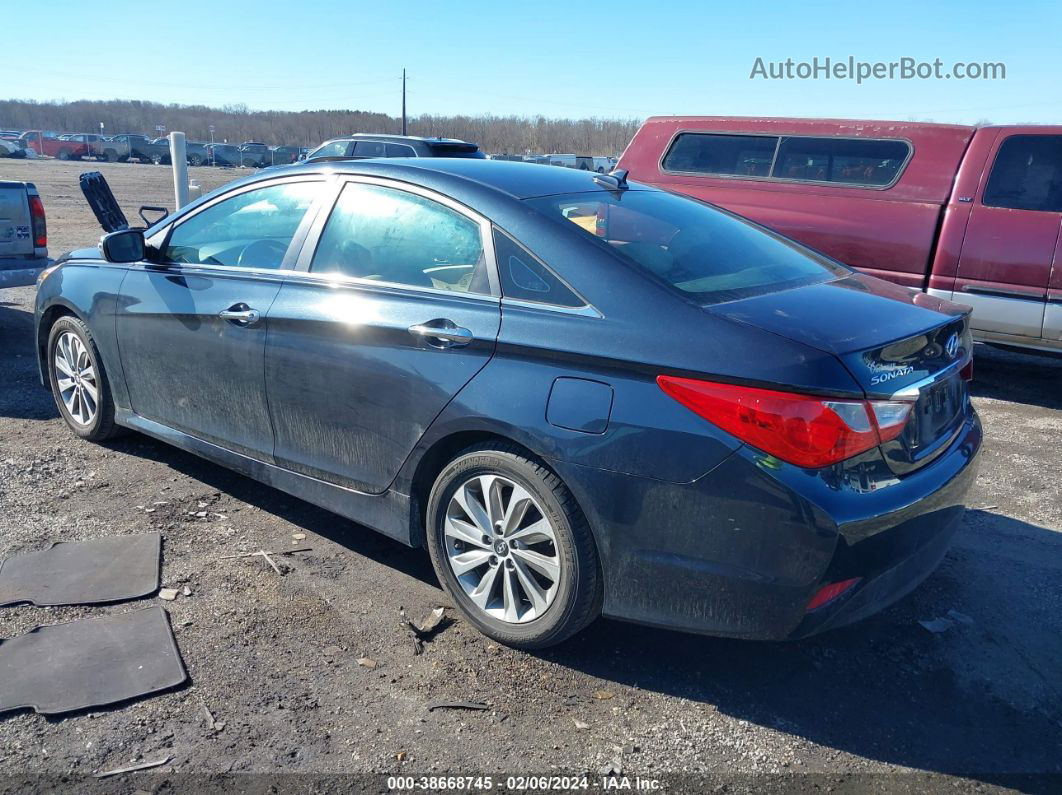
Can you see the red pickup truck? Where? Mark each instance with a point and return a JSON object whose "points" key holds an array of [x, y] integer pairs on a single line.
{"points": [[52, 145], [971, 214]]}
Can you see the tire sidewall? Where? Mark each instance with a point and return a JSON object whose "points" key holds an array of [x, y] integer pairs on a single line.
{"points": [[61, 326], [553, 625]]}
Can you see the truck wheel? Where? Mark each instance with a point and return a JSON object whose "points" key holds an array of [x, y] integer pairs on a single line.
{"points": [[156, 159], [64, 154], [248, 163], [110, 156], [512, 548]]}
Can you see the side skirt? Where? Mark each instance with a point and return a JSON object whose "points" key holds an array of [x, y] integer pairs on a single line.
{"points": [[387, 513]]}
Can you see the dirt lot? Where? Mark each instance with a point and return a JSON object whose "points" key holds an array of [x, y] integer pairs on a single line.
{"points": [[275, 657]]}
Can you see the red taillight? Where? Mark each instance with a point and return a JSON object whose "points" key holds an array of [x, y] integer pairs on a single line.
{"points": [[805, 430], [828, 593], [40, 225]]}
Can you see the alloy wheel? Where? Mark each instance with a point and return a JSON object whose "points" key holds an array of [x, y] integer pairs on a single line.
{"points": [[76, 378], [502, 549]]}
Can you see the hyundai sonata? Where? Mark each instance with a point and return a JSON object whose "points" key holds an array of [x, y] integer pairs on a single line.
{"points": [[583, 396]]}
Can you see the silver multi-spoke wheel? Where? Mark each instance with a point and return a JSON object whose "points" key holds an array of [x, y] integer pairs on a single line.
{"points": [[76, 378], [502, 548]]}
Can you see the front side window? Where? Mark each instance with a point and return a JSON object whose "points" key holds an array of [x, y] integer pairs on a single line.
{"points": [[388, 235], [1027, 174], [704, 253], [331, 149], [251, 230]]}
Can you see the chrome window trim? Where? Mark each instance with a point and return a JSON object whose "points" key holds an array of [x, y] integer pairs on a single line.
{"points": [[337, 280], [587, 310], [313, 237], [774, 159]]}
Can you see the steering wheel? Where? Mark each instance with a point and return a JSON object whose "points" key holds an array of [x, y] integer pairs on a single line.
{"points": [[262, 254]]}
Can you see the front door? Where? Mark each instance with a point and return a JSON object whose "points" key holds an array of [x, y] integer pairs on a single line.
{"points": [[1010, 241], [192, 323], [394, 315]]}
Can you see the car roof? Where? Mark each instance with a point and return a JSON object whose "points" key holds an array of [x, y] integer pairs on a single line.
{"points": [[518, 180]]}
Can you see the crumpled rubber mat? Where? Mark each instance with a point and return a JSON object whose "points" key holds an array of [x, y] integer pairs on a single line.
{"points": [[83, 572], [90, 663]]}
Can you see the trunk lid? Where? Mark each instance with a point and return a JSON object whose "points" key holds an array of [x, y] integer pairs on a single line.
{"points": [[16, 226], [895, 342]]}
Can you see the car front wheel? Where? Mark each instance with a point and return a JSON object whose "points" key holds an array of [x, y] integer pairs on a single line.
{"points": [[512, 548], [79, 383]]}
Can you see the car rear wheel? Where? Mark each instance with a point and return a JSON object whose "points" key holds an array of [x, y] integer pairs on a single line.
{"points": [[195, 160], [512, 548], [111, 156], [64, 154], [156, 159], [79, 383]]}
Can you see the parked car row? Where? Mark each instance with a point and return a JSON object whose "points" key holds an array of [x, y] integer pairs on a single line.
{"points": [[129, 146]]}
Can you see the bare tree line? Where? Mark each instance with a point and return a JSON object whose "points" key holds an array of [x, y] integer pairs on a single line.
{"points": [[235, 124]]}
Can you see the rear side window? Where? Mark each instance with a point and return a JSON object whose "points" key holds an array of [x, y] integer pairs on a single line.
{"points": [[854, 161], [1027, 174], [388, 235], [727, 155], [399, 150], [703, 253], [369, 149], [525, 278], [860, 162], [251, 230]]}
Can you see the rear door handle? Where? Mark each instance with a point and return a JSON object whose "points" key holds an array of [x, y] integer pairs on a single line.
{"points": [[446, 331], [240, 315]]}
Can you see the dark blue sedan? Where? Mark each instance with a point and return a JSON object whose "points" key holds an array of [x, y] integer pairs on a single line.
{"points": [[582, 396]]}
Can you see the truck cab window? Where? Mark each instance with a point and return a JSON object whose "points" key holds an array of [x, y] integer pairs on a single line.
{"points": [[1027, 174]]}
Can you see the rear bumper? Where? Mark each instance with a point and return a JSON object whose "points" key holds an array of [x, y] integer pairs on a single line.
{"points": [[742, 550], [20, 273]]}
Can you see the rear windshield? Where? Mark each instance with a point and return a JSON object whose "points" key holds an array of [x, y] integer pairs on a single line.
{"points": [[705, 253], [457, 150]]}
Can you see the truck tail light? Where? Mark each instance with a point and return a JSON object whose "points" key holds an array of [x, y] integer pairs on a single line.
{"points": [[40, 224], [806, 430]]}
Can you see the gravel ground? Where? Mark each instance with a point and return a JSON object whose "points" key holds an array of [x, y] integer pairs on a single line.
{"points": [[275, 658]]}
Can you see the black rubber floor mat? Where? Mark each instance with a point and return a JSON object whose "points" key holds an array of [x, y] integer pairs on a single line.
{"points": [[90, 663], [83, 572]]}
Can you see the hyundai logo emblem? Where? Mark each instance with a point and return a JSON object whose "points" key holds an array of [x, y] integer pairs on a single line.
{"points": [[951, 347]]}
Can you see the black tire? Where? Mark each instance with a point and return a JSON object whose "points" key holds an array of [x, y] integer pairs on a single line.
{"points": [[64, 154], [157, 159], [110, 156], [578, 598], [102, 425], [249, 163], [195, 160]]}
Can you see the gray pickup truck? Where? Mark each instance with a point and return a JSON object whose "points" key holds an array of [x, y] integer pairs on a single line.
{"points": [[23, 234]]}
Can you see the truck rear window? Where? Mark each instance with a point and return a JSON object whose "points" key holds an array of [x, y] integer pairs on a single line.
{"points": [[703, 252], [860, 162]]}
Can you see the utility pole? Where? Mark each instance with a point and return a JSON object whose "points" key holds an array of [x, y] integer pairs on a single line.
{"points": [[403, 102]]}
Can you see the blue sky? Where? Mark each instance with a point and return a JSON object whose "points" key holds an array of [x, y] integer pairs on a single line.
{"points": [[608, 59]]}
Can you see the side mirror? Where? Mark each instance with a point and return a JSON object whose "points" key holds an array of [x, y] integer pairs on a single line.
{"points": [[126, 245]]}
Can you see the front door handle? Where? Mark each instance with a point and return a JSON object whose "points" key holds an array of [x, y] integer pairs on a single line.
{"points": [[241, 315], [447, 333]]}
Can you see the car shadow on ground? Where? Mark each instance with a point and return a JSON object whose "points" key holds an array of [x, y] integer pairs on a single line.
{"points": [[1032, 379], [21, 394], [886, 689]]}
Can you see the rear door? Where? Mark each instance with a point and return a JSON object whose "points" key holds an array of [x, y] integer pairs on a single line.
{"points": [[394, 309], [1007, 253], [192, 324]]}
